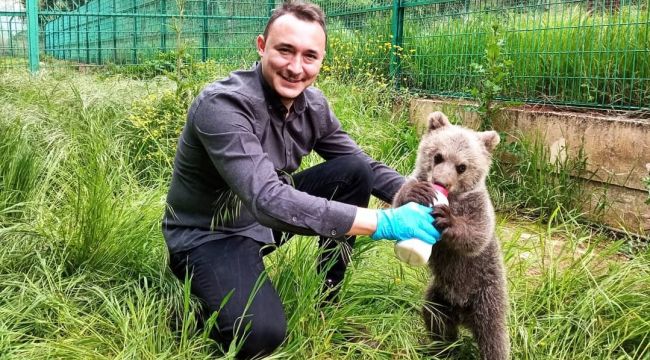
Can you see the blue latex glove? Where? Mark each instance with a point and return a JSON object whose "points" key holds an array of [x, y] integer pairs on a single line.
{"points": [[406, 222]]}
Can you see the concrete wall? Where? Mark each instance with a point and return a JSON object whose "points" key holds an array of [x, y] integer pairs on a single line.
{"points": [[617, 151]]}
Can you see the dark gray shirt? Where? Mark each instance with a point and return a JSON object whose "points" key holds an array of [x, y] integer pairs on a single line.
{"points": [[234, 157]]}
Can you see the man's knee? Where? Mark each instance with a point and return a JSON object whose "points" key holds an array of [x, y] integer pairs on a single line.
{"points": [[358, 170], [262, 338]]}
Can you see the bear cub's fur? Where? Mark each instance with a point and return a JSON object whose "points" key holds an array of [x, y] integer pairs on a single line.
{"points": [[468, 286]]}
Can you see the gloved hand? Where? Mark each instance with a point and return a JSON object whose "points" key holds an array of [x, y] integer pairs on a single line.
{"points": [[406, 222]]}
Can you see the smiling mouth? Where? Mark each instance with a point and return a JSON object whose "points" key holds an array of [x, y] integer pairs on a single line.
{"points": [[290, 80]]}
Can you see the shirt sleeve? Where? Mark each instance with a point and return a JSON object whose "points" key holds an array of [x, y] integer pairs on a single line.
{"points": [[224, 125], [336, 142]]}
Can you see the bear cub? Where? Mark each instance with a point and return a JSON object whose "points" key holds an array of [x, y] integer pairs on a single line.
{"points": [[468, 286]]}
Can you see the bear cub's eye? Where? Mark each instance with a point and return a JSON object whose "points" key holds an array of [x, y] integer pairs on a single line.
{"points": [[437, 159], [461, 168]]}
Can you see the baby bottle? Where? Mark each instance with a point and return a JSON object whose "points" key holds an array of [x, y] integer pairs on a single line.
{"points": [[416, 252]]}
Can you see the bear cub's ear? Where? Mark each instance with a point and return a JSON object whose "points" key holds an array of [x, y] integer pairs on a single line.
{"points": [[490, 139], [436, 120]]}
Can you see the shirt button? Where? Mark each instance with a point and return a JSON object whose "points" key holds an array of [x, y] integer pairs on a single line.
{"points": [[333, 232], [294, 219]]}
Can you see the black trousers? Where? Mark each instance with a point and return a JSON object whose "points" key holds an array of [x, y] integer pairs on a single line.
{"points": [[233, 267]]}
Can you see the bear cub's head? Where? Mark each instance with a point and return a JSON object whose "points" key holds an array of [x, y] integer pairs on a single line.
{"points": [[455, 157]]}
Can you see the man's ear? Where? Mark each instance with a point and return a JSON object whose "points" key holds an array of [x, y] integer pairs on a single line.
{"points": [[261, 45]]}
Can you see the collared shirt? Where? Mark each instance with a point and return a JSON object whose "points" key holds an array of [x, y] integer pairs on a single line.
{"points": [[233, 161]]}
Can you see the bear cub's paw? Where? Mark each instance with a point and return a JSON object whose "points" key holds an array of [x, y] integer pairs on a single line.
{"points": [[421, 192], [444, 218]]}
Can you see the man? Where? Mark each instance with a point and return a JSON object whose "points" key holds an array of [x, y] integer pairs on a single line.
{"points": [[232, 193]]}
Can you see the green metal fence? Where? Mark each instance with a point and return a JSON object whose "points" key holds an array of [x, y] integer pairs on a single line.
{"points": [[576, 52], [13, 34], [594, 53], [130, 31]]}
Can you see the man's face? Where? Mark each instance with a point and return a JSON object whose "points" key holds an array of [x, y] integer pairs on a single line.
{"points": [[291, 56]]}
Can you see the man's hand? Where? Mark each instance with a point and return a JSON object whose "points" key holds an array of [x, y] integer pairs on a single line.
{"points": [[406, 222]]}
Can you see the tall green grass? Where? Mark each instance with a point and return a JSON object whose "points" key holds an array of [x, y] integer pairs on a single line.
{"points": [[563, 55], [19, 167], [573, 296], [83, 263], [527, 179]]}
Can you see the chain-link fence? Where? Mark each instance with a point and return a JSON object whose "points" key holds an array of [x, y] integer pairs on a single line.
{"points": [[573, 52]]}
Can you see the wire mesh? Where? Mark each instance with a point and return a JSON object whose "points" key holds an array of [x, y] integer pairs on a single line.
{"points": [[359, 38], [131, 31], [572, 52], [13, 34], [575, 52]]}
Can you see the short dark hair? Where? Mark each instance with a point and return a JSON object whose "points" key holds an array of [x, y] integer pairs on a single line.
{"points": [[302, 10]]}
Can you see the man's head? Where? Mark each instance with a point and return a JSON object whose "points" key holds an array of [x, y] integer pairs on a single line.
{"points": [[292, 48]]}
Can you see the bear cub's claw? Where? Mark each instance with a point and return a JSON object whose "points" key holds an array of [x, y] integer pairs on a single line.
{"points": [[444, 217]]}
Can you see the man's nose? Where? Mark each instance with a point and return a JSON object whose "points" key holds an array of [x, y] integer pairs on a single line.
{"points": [[295, 65]]}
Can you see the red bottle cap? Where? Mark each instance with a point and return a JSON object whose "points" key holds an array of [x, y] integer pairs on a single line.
{"points": [[441, 189]]}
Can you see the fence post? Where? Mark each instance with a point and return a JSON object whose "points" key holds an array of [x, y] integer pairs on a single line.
{"points": [[60, 38], [114, 32], [99, 33], [76, 30], [163, 26], [271, 6], [68, 42], [11, 38], [134, 56], [204, 38], [87, 31], [45, 41], [32, 34], [397, 27]]}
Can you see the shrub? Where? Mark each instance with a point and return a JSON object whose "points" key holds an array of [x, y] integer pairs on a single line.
{"points": [[353, 54], [154, 126]]}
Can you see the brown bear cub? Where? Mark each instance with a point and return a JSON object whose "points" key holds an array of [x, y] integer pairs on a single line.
{"points": [[468, 286]]}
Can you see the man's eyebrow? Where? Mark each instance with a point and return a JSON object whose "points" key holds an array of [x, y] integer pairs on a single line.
{"points": [[283, 44]]}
